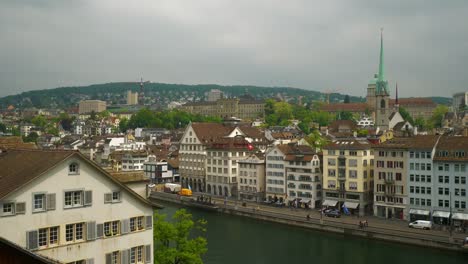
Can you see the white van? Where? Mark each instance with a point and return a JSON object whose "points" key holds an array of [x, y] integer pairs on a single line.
{"points": [[422, 224]]}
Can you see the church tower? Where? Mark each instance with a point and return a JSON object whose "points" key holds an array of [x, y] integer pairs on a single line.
{"points": [[382, 108]]}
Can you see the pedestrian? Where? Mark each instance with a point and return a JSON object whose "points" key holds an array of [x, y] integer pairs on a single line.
{"points": [[308, 217]]}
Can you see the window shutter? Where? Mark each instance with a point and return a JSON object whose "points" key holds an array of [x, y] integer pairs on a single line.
{"points": [[108, 198], [109, 258], [20, 208], [32, 239], [149, 222], [148, 253], [91, 261], [88, 197], [99, 230], [125, 256], [91, 230], [125, 226], [50, 201]]}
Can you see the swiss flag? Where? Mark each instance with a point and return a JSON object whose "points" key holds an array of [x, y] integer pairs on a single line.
{"points": [[250, 147]]}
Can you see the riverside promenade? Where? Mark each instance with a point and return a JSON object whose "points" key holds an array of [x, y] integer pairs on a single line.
{"points": [[378, 228]]}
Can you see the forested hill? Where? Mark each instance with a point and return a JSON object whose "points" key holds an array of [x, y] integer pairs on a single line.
{"points": [[156, 93], [161, 94]]}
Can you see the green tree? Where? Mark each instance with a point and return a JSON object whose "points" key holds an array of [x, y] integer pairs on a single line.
{"points": [[316, 140], [437, 116], [39, 121], [32, 137], [123, 125], [269, 106], [420, 122], [2, 128], [93, 115], [346, 99], [344, 115], [181, 241], [405, 114]]}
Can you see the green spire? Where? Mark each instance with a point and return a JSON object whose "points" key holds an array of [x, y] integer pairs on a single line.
{"points": [[381, 83], [381, 63]]}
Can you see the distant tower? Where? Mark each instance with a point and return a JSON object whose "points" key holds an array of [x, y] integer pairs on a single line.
{"points": [[382, 109], [397, 105], [141, 94]]}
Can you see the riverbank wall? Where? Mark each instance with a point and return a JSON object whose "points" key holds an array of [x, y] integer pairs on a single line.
{"points": [[409, 237]]}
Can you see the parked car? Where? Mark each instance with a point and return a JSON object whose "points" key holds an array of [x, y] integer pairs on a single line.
{"points": [[333, 213], [421, 224]]}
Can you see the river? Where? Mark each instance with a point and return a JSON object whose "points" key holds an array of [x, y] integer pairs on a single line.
{"points": [[234, 240]]}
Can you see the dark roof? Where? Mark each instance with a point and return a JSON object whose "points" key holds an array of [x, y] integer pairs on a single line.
{"points": [[346, 144], [20, 167], [405, 102], [452, 145], [423, 142], [209, 131], [10, 250], [129, 176], [350, 107], [15, 143]]}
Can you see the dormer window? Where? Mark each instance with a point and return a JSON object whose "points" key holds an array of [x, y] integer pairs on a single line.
{"points": [[73, 169]]}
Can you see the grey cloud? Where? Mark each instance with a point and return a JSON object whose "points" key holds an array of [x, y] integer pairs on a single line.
{"points": [[315, 45]]}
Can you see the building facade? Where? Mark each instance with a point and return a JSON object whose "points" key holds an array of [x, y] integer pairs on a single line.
{"points": [[247, 108], [275, 175], [222, 167], [390, 183], [89, 106], [348, 175], [132, 98], [252, 177], [57, 202], [303, 175]]}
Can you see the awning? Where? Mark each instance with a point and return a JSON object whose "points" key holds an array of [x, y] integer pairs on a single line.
{"points": [[460, 216], [329, 203], [351, 205], [419, 212], [441, 214], [305, 201]]}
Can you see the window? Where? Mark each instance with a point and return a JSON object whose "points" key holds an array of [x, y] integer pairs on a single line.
{"points": [[353, 174], [446, 179], [441, 203], [136, 223], [136, 255], [412, 177], [457, 179], [112, 228], [115, 257], [39, 202], [352, 162], [428, 178], [115, 197], [411, 189], [441, 179], [8, 209], [73, 169], [428, 189], [48, 237], [73, 199], [74, 232]]}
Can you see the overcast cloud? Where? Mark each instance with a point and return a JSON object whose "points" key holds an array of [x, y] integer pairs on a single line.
{"points": [[318, 45]]}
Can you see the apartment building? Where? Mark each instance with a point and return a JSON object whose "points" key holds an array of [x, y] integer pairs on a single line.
{"points": [[89, 106], [348, 175], [57, 202], [275, 174], [450, 186], [134, 160], [252, 177], [222, 165], [420, 183], [196, 138], [390, 184], [303, 175]]}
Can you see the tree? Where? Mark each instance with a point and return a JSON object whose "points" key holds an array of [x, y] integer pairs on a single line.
{"points": [[39, 121], [32, 137], [2, 128], [316, 140], [346, 99], [405, 114], [123, 125], [92, 116], [420, 123], [180, 241], [344, 115], [438, 115]]}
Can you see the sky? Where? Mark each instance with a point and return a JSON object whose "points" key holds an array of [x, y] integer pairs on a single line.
{"points": [[318, 45]]}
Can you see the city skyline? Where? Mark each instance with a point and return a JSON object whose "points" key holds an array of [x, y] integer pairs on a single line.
{"points": [[302, 44]]}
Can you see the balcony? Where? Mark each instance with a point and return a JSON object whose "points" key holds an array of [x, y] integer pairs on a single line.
{"points": [[389, 193], [389, 181]]}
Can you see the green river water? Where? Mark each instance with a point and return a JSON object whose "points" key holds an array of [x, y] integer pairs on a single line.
{"points": [[239, 240]]}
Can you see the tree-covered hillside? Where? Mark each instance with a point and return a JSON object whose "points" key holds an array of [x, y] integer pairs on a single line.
{"points": [[156, 94]]}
